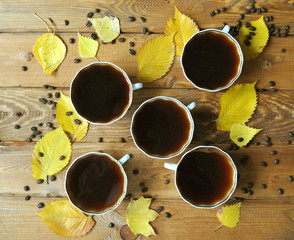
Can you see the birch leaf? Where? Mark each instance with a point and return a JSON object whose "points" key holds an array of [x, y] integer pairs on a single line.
{"points": [[242, 134], [66, 220], [258, 41], [229, 216], [66, 115], [107, 28], [155, 58], [183, 27], [139, 215], [53, 145], [36, 48], [236, 105], [87, 47]]}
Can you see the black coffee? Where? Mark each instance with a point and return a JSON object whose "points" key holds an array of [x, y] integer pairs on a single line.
{"points": [[204, 178], [161, 127], [95, 183], [211, 60], [100, 93]]}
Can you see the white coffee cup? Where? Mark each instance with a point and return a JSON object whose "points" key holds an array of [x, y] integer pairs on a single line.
{"points": [[187, 109], [224, 31], [119, 163], [207, 149], [132, 87]]}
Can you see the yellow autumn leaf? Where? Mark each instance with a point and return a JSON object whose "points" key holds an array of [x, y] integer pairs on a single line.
{"points": [[66, 220], [66, 115], [139, 215], [155, 58], [36, 48], [87, 47], [51, 154], [229, 216], [258, 41], [242, 134], [236, 105], [183, 27], [107, 28]]}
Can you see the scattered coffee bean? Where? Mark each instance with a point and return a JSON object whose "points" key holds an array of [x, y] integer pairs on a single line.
{"points": [[100, 139], [250, 192], [251, 6], [252, 33], [94, 36], [238, 23], [24, 68], [276, 161], [50, 102], [267, 139], [97, 10], [46, 86], [128, 196], [49, 95], [121, 39], [135, 171], [223, 9], [26, 188], [57, 95], [244, 159], [131, 19], [132, 44], [263, 186], [263, 9], [68, 113], [283, 50], [235, 147], [143, 19], [132, 51], [241, 16], [40, 205], [250, 185], [39, 181], [66, 22], [268, 144], [256, 143], [274, 152], [144, 30], [240, 139], [40, 154], [249, 37], [27, 198], [167, 214], [246, 11], [144, 189], [159, 209], [280, 190], [62, 157], [263, 164], [49, 124], [290, 134], [72, 40], [267, 19], [37, 133], [122, 140], [76, 60], [88, 24], [166, 182], [113, 41], [111, 225], [244, 190], [212, 13], [19, 114], [253, 10], [288, 142], [142, 184], [51, 88], [217, 11], [252, 28], [40, 137], [42, 100], [77, 121], [90, 14], [17, 126], [290, 178], [52, 178], [246, 42], [247, 24], [271, 83], [230, 147]]}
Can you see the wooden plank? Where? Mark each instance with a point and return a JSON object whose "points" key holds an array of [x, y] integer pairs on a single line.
{"points": [[271, 65], [157, 13], [274, 114]]}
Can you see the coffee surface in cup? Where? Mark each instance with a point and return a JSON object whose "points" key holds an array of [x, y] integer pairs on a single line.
{"points": [[100, 93], [95, 183], [211, 60], [161, 127], [204, 178]]}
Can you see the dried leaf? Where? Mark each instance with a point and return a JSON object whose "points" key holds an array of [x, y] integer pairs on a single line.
{"points": [[155, 58], [87, 47], [36, 48], [53, 145], [258, 41], [183, 27], [241, 131], [107, 28], [236, 106], [229, 215], [139, 215], [67, 122], [66, 220]]}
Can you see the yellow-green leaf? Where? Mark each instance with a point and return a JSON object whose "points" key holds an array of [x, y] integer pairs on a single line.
{"points": [[51, 52], [236, 105], [139, 215], [67, 122], [107, 28], [258, 41], [229, 216], [242, 132], [53, 145], [183, 27], [155, 58], [66, 220], [87, 47]]}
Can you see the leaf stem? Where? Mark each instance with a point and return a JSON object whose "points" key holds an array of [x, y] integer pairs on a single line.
{"points": [[53, 24], [219, 227], [37, 16]]}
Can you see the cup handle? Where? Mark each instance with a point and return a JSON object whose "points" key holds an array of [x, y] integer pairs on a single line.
{"points": [[226, 29], [124, 159], [137, 86], [170, 166], [191, 106]]}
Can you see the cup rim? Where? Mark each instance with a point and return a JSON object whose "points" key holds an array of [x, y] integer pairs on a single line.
{"points": [[235, 179], [191, 132], [121, 197], [130, 92], [241, 57]]}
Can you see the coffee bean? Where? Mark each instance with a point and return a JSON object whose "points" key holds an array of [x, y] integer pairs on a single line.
{"points": [[72, 40], [50, 102], [77, 121], [263, 9], [253, 10], [28, 140], [250, 185], [166, 182], [27, 198], [51, 88], [62, 157], [267, 19], [32, 135], [250, 192], [37, 133], [19, 114], [39, 181], [230, 147], [244, 190], [159, 209], [244, 159], [90, 14], [280, 190], [122, 140], [246, 11], [276, 161], [278, 35], [223, 9], [26, 188], [167, 214], [144, 189], [249, 37], [238, 23], [252, 28], [241, 16], [94, 36], [290, 134], [132, 44], [135, 171], [290, 178], [271, 83], [46, 86], [49, 95], [42, 100], [88, 24], [24, 68], [121, 39], [40, 205], [66, 22], [17, 126], [68, 113], [131, 19], [52, 128], [288, 142], [57, 94], [97, 10], [212, 13], [252, 1], [76, 60], [268, 144], [40, 137], [144, 30], [142, 184], [40, 154], [274, 152], [132, 51], [263, 164], [235, 147], [143, 19], [111, 225], [252, 34], [113, 41], [283, 35], [283, 50], [273, 90], [246, 42], [128, 196], [217, 11], [263, 186], [100, 139], [267, 139], [240, 139], [52, 178], [49, 124]]}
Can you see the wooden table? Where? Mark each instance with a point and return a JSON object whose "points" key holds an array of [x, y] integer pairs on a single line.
{"points": [[264, 215]]}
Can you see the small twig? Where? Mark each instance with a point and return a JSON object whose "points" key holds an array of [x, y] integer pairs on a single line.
{"points": [[37, 16], [219, 227]]}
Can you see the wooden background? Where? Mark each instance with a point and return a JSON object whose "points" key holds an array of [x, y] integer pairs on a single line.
{"points": [[264, 215]]}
